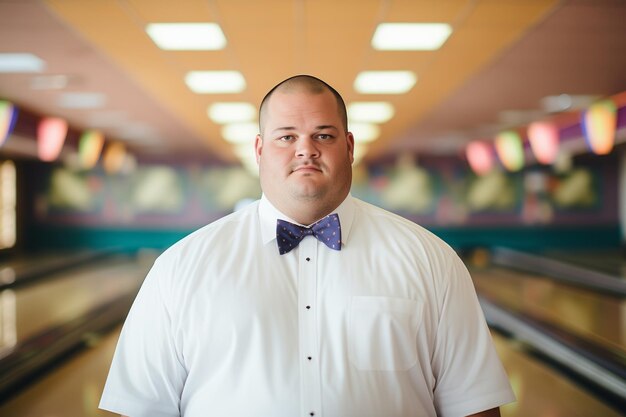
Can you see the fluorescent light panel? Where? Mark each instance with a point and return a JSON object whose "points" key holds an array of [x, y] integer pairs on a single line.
{"points": [[245, 152], [107, 119], [360, 150], [384, 82], [410, 36], [187, 36], [370, 111], [215, 82], [137, 132], [21, 62], [562, 102], [247, 156], [364, 132], [49, 82], [231, 112], [240, 133], [81, 100]]}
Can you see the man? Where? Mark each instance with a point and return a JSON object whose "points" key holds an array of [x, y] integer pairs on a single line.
{"points": [[359, 313]]}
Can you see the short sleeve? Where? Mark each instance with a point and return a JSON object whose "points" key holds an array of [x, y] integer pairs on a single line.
{"points": [[470, 377], [146, 377]]}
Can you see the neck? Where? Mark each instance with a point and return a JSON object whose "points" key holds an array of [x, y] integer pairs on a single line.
{"points": [[307, 212]]}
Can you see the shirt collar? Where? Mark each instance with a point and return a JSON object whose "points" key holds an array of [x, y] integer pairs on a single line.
{"points": [[268, 214]]}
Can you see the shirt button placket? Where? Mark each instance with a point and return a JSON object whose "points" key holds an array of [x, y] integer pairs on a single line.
{"points": [[309, 367]]}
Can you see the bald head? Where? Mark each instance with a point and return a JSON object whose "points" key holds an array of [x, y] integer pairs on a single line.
{"points": [[307, 84]]}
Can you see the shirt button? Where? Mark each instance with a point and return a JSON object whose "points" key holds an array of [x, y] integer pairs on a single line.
{"points": [[308, 307], [308, 259], [309, 357], [311, 413]]}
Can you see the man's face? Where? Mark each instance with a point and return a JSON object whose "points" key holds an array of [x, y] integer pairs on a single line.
{"points": [[304, 153]]}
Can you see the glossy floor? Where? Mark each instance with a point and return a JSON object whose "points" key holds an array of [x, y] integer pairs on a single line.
{"points": [[73, 389], [608, 261], [591, 315], [28, 310]]}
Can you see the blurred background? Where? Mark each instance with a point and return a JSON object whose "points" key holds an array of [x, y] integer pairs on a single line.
{"points": [[498, 125]]}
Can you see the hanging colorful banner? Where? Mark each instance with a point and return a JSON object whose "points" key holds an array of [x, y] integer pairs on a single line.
{"points": [[8, 116], [89, 148], [51, 134], [544, 141], [480, 156], [510, 150], [599, 123]]}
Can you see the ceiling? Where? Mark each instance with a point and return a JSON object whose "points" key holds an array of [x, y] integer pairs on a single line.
{"points": [[501, 61]]}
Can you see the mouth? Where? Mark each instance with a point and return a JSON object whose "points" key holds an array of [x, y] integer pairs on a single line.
{"points": [[307, 168]]}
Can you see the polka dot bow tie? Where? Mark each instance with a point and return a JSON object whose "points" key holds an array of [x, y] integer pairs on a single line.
{"points": [[327, 231]]}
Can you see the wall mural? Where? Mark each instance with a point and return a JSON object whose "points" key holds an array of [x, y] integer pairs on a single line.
{"points": [[438, 192]]}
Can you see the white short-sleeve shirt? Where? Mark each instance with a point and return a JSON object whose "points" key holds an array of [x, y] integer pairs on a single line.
{"points": [[225, 326]]}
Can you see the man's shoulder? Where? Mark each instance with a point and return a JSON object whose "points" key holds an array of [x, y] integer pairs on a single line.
{"points": [[179, 267]]}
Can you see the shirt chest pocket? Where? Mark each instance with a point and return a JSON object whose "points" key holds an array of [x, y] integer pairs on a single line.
{"points": [[382, 333]]}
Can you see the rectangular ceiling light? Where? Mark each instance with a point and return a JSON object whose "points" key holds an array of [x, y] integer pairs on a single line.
{"points": [[232, 112], [410, 36], [82, 100], [370, 111], [247, 156], [360, 149], [49, 82], [240, 132], [187, 36], [107, 119], [364, 132], [384, 82], [138, 132], [215, 82], [21, 62]]}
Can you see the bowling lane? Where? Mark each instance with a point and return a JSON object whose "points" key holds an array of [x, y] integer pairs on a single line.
{"points": [[21, 269], [542, 392], [594, 316], [73, 389], [597, 270], [28, 310], [47, 259], [608, 261]]}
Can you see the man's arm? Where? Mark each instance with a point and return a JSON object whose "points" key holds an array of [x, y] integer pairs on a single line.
{"points": [[494, 412]]}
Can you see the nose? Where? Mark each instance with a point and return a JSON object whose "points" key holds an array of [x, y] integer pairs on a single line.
{"points": [[307, 148]]}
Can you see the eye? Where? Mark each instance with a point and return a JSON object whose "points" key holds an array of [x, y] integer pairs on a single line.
{"points": [[324, 136], [286, 138]]}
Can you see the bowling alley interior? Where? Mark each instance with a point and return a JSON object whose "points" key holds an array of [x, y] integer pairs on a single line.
{"points": [[499, 126]]}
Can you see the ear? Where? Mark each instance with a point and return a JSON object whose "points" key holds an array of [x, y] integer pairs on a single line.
{"points": [[258, 147], [350, 140]]}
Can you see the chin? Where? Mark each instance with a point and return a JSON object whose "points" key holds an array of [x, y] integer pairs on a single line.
{"points": [[306, 193]]}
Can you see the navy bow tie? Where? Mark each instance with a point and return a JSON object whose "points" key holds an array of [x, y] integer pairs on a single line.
{"points": [[327, 231]]}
